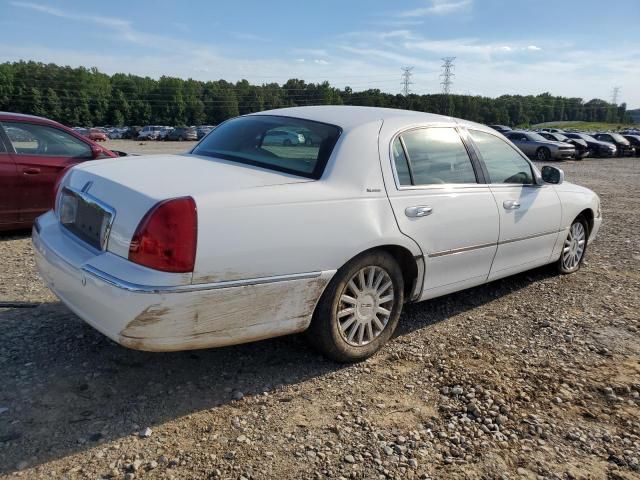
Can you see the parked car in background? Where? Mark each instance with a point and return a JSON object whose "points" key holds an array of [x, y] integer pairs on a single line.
{"points": [[131, 133], [283, 137], [536, 146], [582, 149], [597, 147], [203, 130], [188, 265], [634, 140], [150, 132], [182, 133], [164, 131], [552, 130], [96, 135], [625, 149], [501, 128], [34, 151]]}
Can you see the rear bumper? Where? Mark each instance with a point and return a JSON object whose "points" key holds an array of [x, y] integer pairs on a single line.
{"points": [[171, 317]]}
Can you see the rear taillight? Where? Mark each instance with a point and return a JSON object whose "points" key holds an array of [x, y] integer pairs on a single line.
{"points": [[166, 237]]}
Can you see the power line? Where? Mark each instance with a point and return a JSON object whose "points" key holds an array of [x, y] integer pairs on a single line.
{"points": [[447, 74], [406, 80]]}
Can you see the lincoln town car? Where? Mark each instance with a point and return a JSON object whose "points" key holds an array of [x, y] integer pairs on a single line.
{"points": [[244, 238]]}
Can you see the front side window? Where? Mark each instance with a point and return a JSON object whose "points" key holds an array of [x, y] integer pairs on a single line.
{"points": [[290, 145], [503, 163], [41, 140], [436, 156]]}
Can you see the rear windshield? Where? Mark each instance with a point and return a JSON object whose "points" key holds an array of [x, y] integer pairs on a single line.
{"points": [[291, 145]]}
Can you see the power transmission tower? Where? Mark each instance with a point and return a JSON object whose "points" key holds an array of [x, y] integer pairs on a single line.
{"points": [[614, 95], [447, 74], [406, 80]]}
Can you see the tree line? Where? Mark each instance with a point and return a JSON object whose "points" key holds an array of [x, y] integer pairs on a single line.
{"points": [[86, 97]]}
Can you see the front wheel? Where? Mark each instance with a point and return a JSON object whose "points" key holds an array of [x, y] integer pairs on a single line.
{"points": [[360, 308], [574, 247]]}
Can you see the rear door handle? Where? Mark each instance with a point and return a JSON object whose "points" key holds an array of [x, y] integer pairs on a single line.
{"points": [[418, 211], [31, 171], [510, 204]]}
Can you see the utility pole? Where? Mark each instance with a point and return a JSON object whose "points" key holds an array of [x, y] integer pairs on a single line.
{"points": [[614, 95], [406, 80], [447, 74]]}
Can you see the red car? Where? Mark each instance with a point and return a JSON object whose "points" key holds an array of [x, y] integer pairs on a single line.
{"points": [[34, 152], [96, 135]]}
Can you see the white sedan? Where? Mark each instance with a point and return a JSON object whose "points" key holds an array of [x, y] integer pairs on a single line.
{"points": [[241, 240]]}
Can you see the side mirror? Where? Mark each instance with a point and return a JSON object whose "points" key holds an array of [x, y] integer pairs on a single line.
{"points": [[552, 175]]}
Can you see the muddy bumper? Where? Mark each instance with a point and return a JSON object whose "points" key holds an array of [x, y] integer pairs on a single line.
{"points": [[164, 317]]}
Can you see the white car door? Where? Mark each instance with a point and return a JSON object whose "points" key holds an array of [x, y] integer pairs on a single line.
{"points": [[439, 202], [530, 213]]}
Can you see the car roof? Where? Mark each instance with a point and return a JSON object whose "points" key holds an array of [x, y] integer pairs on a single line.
{"points": [[23, 116], [348, 116]]}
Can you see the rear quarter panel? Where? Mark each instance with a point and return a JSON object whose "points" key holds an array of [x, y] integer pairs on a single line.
{"points": [[303, 227]]}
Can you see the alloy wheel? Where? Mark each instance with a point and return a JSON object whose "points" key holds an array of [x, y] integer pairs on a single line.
{"points": [[365, 306], [573, 248]]}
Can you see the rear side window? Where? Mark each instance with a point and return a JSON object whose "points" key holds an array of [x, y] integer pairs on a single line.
{"points": [[402, 165], [290, 145], [503, 163], [436, 156], [44, 141]]}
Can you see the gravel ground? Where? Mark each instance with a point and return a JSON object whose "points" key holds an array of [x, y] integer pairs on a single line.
{"points": [[149, 147], [535, 376]]}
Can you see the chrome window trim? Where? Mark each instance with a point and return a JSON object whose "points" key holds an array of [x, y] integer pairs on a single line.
{"points": [[396, 179], [193, 287]]}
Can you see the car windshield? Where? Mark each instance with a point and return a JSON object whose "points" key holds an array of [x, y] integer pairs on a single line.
{"points": [[561, 138], [586, 137], [285, 144], [618, 138]]}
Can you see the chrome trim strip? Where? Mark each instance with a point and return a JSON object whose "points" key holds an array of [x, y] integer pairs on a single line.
{"points": [[194, 287], [460, 250], [485, 245], [528, 237]]}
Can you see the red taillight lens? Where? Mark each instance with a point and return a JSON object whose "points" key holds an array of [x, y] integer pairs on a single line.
{"points": [[166, 237]]}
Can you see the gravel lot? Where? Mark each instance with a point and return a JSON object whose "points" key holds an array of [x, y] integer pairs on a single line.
{"points": [[534, 376]]}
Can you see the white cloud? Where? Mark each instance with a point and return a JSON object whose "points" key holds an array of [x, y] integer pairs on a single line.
{"points": [[533, 48], [116, 23], [320, 61], [438, 7]]}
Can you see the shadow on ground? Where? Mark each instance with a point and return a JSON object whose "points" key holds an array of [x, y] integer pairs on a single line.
{"points": [[68, 388]]}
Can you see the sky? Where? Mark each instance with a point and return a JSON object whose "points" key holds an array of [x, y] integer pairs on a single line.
{"points": [[576, 48]]}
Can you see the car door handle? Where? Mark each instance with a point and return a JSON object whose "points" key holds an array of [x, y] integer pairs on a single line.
{"points": [[510, 204], [418, 211], [31, 171]]}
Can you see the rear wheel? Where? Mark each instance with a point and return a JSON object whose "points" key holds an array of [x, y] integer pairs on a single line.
{"points": [[574, 247], [543, 154], [360, 308]]}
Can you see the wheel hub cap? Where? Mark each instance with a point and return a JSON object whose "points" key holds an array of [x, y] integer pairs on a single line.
{"points": [[573, 248], [365, 306]]}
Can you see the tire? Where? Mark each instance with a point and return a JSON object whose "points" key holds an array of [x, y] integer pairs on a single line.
{"points": [[574, 247], [543, 154], [358, 334]]}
